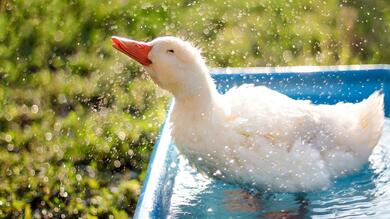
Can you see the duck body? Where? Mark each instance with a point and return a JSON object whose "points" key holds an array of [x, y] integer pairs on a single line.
{"points": [[257, 137], [254, 136]]}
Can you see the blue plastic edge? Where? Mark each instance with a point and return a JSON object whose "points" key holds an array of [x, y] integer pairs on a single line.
{"points": [[148, 205]]}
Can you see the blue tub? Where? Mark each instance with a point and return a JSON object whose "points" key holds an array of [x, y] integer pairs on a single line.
{"points": [[172, 189]]}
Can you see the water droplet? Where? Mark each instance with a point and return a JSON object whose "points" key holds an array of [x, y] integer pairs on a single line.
{"points": [[117, 163], [8, 138], [34, 109], [216, 173], [48, 136], [121, 135]]}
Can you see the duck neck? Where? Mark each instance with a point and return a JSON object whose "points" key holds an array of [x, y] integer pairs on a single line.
{"points": [[200, 96]]}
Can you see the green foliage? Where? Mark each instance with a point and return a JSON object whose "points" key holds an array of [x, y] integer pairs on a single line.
{"points": [[78, 120], [76, 124]]}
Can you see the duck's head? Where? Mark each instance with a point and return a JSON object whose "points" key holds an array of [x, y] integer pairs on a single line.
{"points": [[173, 64]]}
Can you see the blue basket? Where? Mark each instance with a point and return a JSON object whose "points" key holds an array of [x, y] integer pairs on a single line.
{"points": [[318, 84]]}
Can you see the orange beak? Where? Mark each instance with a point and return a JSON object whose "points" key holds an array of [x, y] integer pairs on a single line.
{"points": [[138, 51]]}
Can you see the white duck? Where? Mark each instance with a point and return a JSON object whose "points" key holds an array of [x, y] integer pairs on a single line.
{"points": [[253, 135]]}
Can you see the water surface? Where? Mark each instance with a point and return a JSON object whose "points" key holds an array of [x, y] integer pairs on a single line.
{"points": [[365, 194]]}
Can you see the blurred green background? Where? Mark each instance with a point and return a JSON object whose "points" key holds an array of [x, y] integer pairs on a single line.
{"points": [[78, 119]]}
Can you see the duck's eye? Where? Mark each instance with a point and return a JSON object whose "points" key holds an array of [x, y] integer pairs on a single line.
{"points": [[170, 51]]}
